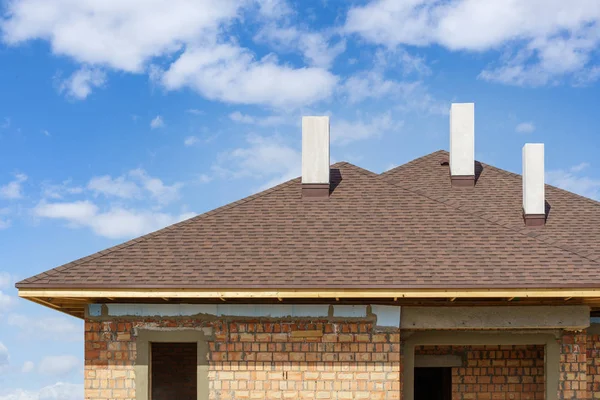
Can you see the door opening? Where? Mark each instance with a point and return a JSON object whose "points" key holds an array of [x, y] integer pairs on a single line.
{"points": [[174, 371], [433, 383]]}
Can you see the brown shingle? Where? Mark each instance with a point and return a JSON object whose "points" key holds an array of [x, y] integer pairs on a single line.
{"points": [[406, 228]]}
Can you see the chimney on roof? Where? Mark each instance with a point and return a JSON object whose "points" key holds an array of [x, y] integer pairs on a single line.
{"points": [[315, 157], [534, 199], [462, 144]]}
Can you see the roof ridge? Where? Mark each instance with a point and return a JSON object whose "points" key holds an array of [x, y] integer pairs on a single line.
{"points": [[358, 169], [411, 162], [150, 235], [482, 216]]}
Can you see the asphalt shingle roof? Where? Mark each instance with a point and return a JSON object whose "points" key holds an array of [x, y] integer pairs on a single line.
{"points": [[406, 228]]}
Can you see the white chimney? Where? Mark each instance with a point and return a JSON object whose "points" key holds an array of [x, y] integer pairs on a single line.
{"points": [[315, 157], [534, 198], [462, 144]]}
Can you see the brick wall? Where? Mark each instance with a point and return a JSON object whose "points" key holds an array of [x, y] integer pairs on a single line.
{"points": [[332, 360], [593, 366], [495, 372], [259, 359], [573, 366], [174, 371]]}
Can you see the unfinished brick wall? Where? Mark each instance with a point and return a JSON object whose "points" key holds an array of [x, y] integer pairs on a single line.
{"points": [[259, 359], [593, 365], [495, 372], [573, 366]]}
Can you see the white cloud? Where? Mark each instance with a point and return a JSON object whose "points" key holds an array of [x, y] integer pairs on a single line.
{"points": [[573, 181], [345, 131], [231, 74], [580, 167], [194, 111], [204, 178], [157, 122], [58, 365], [78, 212], [118, 187], [81, 83], [28, 366], [525, 127], [407, 96], [45, 132], [55, 327], [132, 185], [274, 9], [6, 280], [270, 120], [108, 33], [4, 357], [6, 302], [371, 85], [58, 391], [5, 223], [557, 42], [114, 223], [265, 158], [190, 141], [162, 193], [314, 46], [14, 189], [103, 36], [58, 191]]}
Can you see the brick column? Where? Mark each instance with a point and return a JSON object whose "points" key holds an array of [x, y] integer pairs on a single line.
{"points": [[573, 366], [593, 366], [109, 357]]}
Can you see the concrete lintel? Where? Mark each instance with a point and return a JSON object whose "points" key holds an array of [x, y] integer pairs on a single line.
{"points": [[438, 361], [508, 317]]}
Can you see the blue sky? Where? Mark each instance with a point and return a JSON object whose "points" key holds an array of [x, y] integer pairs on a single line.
{"points": [[118, 118]]}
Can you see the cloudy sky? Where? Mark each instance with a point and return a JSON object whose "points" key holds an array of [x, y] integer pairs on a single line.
{"points": [[120, 117]]}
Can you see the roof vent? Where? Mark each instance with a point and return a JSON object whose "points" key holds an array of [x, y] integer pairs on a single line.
{"points": [[315, 157], [462, 144], [534, 199]]}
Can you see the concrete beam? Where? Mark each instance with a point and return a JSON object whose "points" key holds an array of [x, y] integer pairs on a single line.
{"points": [[517, 317], [387, 316], [438, 361]]}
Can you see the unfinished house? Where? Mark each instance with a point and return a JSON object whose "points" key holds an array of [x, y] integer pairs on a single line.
{"points": [[444, 278]]}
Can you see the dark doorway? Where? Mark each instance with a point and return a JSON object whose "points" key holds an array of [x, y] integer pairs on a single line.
{"points": [[173, 371], [433, 383]]}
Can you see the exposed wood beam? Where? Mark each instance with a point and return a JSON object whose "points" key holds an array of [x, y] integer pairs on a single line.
{"points": [[310, 294]]}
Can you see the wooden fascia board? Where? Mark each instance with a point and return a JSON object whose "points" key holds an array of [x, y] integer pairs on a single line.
{"points": [[308, 294]]}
